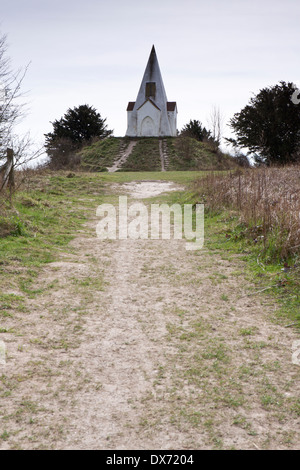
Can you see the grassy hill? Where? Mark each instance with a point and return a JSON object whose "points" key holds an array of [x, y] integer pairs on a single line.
{"points": [[182, 153], [144, 156], [186, 153], [101, 154]]}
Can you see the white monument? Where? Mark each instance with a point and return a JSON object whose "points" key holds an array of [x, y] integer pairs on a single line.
{"points": [[152, 115]]}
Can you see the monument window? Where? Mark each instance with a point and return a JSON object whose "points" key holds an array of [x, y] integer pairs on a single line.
{"points": [[150, 89]]}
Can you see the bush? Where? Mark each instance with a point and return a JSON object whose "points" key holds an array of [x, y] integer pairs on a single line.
{"points": [[11, 226]]}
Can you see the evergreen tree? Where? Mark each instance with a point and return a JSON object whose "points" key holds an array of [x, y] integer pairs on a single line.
{"points": [[78, 127], [269, 126], [195, 130]]}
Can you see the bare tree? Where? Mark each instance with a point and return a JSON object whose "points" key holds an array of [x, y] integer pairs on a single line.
{"points": [[215, 124], [11, 112], [10, 109]]}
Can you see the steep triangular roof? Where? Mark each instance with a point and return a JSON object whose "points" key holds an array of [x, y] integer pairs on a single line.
{"points": [[152, 74]]}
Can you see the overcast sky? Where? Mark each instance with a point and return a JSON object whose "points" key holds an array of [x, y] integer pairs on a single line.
{"points": [[211, 53]]}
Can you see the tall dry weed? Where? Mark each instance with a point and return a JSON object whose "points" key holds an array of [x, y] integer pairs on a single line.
{"points": [[267, 200]]}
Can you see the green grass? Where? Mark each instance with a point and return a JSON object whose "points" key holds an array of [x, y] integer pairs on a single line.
{"points": [[101, 154], [48, 213], [223, 235], [181, 177], [184, 154], [144, 156]]}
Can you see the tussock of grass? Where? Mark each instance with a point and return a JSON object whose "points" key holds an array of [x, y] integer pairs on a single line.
{"points": [[10, 222]]}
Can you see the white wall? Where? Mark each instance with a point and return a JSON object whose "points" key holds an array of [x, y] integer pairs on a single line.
{"points": [[172, 116], [148, 120], [131, 124]]}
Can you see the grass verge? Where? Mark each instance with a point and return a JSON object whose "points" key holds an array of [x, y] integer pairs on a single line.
{"points": [[255, 213], [44, 219]]}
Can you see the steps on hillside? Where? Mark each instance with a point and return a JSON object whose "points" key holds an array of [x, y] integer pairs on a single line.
{"points": [[163, 151], [125, 151]]}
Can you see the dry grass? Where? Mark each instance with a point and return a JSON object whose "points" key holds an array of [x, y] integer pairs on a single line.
{"points": [[267, 201]]}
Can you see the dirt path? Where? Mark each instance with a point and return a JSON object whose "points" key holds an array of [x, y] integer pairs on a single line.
{"points": [[140, 344]]}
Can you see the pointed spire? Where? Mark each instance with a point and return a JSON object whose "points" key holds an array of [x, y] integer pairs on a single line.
{"points": [[152, 60], [152, 74], [152, 91]]}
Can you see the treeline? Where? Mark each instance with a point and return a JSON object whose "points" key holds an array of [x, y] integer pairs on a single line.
{"points": [[267, 129]]}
